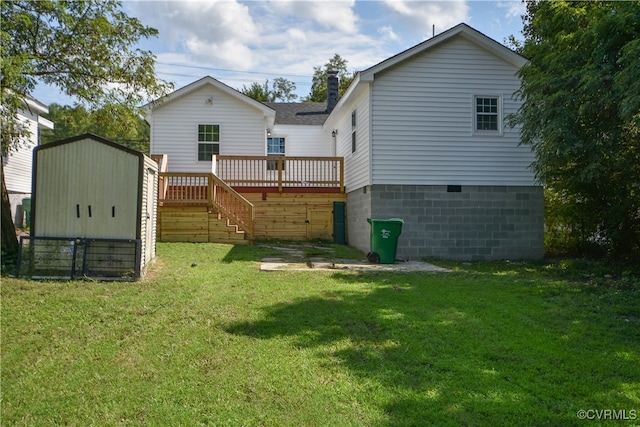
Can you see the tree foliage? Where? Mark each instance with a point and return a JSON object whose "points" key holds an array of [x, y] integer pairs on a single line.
{"points": [[318, 92], [581, 115], [281, 89], [83, 47], [114, 122]]}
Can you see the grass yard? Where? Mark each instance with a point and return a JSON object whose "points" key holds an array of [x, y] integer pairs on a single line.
{"points": [[223, 344]]}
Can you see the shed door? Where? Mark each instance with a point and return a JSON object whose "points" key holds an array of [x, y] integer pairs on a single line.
{"points": [[86, 189]]}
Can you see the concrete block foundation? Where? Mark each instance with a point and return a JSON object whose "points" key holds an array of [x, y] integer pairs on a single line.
{"points": [[467, 223]]}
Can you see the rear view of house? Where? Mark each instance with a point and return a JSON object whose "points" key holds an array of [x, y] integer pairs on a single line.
{"points": [[421, 136], [234, 169]]}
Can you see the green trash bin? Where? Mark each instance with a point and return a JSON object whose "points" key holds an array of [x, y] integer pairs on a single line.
{"points": [[384, 240]]}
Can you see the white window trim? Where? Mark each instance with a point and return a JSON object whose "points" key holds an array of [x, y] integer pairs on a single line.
{"points": [[266, 145], [266, 151], [198, 142], [474, 115]]}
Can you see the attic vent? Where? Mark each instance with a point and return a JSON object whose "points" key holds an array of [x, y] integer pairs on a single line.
{"points": [[454, 188]]}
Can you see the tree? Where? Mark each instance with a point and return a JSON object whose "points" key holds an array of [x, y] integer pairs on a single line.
{"points": [[281, 90], [257, 91], [318, 92], [84, 47], [114, 122], [581, 115]]}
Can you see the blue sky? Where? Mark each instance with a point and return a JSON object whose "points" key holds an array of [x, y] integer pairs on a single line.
{"points": [[240, 42]]}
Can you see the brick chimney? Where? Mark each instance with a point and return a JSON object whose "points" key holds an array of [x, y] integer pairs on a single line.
{"points": [[332, 90]]}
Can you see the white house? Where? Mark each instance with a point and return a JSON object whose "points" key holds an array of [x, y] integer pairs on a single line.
{"points": [[423, 135], [425, 139], [17, 163], [208, 117]]}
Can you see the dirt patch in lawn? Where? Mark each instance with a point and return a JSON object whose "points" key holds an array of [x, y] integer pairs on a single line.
{"points": [[322, 258]]}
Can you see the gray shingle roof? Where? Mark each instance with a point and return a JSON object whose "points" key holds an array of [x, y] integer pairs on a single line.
{"points": [[299, 113]]}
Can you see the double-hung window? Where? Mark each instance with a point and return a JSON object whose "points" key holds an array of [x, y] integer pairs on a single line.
{"points": [[275, 147], [353, 131], [487, 113], [208, 141]]}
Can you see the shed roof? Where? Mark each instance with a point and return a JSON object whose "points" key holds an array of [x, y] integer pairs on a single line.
{"points": [[89, 137]]}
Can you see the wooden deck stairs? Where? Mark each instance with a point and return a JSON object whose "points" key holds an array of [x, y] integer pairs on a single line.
{"points": [[289, 197], [197, 224]]}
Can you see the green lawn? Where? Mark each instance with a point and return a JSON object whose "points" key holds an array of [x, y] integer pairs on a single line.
{"points": [[223, 344]]}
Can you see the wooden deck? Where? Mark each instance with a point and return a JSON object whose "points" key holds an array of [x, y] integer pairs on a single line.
{"points": [[260, 197], [281, 172]]}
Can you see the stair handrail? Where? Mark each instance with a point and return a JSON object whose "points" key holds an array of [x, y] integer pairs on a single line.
{"points": [[232, 204]]}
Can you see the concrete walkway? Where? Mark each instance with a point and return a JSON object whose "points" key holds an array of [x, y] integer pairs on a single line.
{"points": [[293, 259]]}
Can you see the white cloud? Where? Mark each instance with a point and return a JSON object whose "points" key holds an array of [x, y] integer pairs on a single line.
{"points": [[298, 51], [387, 32], [228, 53], [220, 31], [422, 16], [515, 9], [338, 15]]}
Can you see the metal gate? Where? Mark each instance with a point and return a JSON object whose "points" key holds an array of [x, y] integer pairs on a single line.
{"points": [[64, 258]]}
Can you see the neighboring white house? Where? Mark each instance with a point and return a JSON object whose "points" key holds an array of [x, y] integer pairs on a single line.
{"points": [[17, 163], [423, 135]]}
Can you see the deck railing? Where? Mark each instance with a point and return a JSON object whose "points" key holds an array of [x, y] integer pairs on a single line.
{"points": [[208, 190], [215, 189], [280, 171], [186, 188]]}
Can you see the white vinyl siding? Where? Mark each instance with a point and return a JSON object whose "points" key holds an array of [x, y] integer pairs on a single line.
{"points": [[303, 140], [423, 120], [17, 163], [174, 128], [356, 164]]}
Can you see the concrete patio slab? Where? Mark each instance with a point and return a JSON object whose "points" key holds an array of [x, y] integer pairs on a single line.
{"points": [[316, 264]]}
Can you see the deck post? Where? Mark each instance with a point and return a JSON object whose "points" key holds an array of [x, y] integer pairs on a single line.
{"points": [[210, 192], [341, 162], [280, 164]]}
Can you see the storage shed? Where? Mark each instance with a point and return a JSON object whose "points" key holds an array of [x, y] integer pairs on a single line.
{"points": [[93, 210]]}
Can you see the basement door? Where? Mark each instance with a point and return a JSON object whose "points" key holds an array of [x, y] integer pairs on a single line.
{"points": [[319, 224]]}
